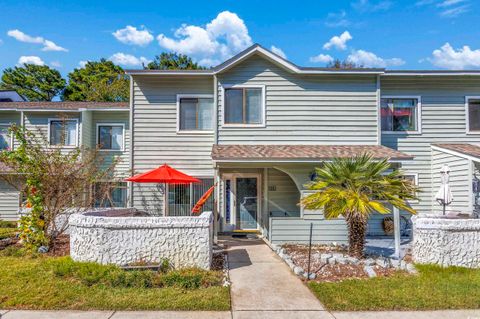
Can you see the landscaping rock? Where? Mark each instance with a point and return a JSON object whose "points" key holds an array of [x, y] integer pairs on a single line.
{"points": [[342, 260], [395, 263], [43, 249], [324, 258], [403, 265], [290, 263], [369, 262], [382, 262], [370, 271], [298, 271], [352, 260], [312, 276], [411, 269]]}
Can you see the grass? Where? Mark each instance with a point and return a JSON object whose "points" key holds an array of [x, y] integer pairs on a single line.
{"points": [[433, 288], [58, 283]]}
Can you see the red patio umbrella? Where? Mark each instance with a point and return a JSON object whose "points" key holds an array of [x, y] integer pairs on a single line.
{"points": [[166, 175]]}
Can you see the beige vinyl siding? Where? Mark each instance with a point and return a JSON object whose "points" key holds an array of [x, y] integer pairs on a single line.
{"points": [[321, 109], [297, 230], [9, 201], [88, 130], [460, 181], [156, 139], [122, 167], [283, 194], [37, 123], [443, 121]]}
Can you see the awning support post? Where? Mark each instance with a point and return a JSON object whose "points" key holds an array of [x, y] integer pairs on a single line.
{"points": [[396, 227]]}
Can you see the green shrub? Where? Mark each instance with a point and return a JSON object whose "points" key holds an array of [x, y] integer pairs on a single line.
{"points": [[7, 232], [7, 224], [191, 278], [14, 251], [113, 276]]}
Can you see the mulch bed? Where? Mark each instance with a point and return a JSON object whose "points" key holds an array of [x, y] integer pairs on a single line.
{"points": [[60, 247], [328, 272]]}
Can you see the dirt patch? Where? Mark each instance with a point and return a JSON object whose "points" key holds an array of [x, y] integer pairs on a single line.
{"points": [[60, 247]]}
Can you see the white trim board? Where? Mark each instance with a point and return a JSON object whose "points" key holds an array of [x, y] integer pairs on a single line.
{"points": [[455, 153]]}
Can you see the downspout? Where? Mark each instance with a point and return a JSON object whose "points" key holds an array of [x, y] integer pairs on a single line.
{"points": [[215, 111], [379, 113], [130, 186]]}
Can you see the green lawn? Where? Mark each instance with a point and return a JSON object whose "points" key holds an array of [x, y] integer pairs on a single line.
{"points": [[32, 283], [433, 288]]}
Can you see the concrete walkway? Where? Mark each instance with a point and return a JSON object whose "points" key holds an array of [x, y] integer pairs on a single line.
{"points": [[263, 286]]}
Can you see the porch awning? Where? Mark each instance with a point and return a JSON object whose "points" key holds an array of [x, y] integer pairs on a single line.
{"points": [[461, 149], [303, 153]]}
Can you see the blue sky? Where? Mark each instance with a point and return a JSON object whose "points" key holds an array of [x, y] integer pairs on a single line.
{"points": [[417, 34]]}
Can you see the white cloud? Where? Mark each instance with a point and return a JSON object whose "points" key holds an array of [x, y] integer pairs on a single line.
{"points": [[338, 42], [371, 60], [337, 19], [128, 59], [454, 12], [51, 46], [447, 8], [56, 64], [321, 58], [221, 38], [82, 63], [131, 35], [448, 3], [367, 6], [30, 59], [278, 51], [23, 37], [449, 58]]}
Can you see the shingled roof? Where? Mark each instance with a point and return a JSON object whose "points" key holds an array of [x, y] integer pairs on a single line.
{"points": [[302, 152], [463, 148], [70, 105]]}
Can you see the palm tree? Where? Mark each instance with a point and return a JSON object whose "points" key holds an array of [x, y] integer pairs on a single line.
{"points": [[355, 188]]}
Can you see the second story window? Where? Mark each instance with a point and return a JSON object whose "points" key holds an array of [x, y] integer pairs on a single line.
{"points": [[195, 114], [400, 114], [5, 137], [244, 106], [473, 109], [63, 132], [110, 137]]}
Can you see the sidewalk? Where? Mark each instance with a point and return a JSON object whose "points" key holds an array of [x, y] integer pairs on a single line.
{"points": [[443, 314]]}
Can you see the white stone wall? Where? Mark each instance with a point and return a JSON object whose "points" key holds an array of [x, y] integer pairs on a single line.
{"points": [[446, 242], [184, 241]]}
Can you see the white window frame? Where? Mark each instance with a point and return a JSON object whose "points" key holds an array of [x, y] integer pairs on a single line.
{"points": [[467, 115], [195, 96], [8, 124], [97, 136], [76, 132], [244, 86], [418, 119]]}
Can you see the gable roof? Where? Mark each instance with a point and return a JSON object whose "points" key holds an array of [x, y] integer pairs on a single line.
{"points": [[267, 54], [63, 106], [461, 149]]}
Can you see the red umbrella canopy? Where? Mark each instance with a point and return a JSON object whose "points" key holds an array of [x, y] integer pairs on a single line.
{"points": [[163, 174]]}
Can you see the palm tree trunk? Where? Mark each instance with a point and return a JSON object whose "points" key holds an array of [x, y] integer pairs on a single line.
{"points": [[357, 229]]}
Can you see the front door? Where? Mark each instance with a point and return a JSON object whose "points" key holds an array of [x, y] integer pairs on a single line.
{"points": [[246, 208]]}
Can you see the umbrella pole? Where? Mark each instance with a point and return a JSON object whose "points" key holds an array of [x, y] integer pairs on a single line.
{"points": [[165, 199]]}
